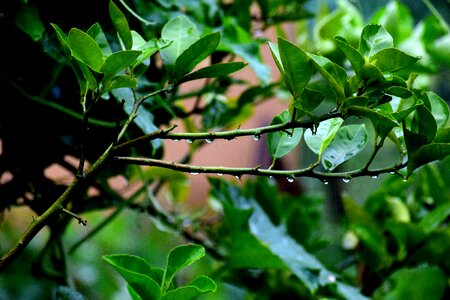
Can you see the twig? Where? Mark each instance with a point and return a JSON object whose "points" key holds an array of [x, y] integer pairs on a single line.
{"points": [[80, 220]]}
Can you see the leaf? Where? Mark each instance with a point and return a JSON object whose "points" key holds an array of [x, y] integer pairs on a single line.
{"points": [[117, 62], [348, 142], [96, 32], [183, 33], [281, 143], [427, 154], [179, 258], [399, 91], [274, 49], [439, 110], [333, 73], [120, 81], [27, 19], [66, 293], [392, 60], [424, 123], [121, 24], [194, 54], [135, 270], [390, 16], [307, 102], [354, 57], [435, 218], [250, 53], [382, 121], [213, 71], [374, 38], [85, 49], [321, 139], [439, 49], [296, 65], [429, 282], [198, 286]]}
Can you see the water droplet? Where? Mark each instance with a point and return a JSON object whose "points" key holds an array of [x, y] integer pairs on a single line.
{"points": [[325, 182], [187, 222], [219, 174], [238, 177], [189, 141], [289, 135], [290, 179], [209, 141], [256, 137], [195, 173], [345, 180], [314, 129], [176, 140], [374, 176], [392, 172], [405, 179], [331, 278]]}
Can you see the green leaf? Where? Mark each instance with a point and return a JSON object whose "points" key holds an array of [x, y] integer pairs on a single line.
{"points": [[348, 142], [120, 81], [439, 49], [183, 33], [382, 121], [117, 62], [179, 258], [195, 54], [399, 91], [136, 271], [281, 143], [213, 71], [66, 293], [121, 24], [439, 110], [424, 123], [296, 65], [435, 218], [85, 49], [274, 49], [354, 57], [427, 154], [319, 141], [307, 102], [392, 60], [27, 19], [390, 16], [374, 38], [198, 286], [96, 32], [421, 282], [333, 73]]}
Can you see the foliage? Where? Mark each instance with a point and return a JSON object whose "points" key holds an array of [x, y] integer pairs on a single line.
{"points": [[109, 89]]}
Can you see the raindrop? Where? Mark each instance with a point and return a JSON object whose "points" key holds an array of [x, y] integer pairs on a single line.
{"points": [[176, 140], [289, 135], [325, 182], [195, 173], [374, 176], [346, 180], [290, 179], [187, 223], [256, 137], [209, 141], [405, 179], [392, 172], [331, 278], [189, 141], [314, 129], [238, 177], [219, 174]]}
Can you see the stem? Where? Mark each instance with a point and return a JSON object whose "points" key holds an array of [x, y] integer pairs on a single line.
{"points": [[238, 172]]}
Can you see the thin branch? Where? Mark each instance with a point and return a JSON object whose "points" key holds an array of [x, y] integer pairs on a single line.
{"points": [[80, 220], [257, 171]]}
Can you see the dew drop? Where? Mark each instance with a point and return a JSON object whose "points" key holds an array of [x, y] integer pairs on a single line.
{"points": [[238, 177], [256, 137], [290, 179], [331, 278], [325, 182], [189, 141], [346, 180], [392, 172], [374, 176], [219, 174], [405, 179], [209, 141], [195, 173], [314, 129], [176, 140], [289, 135]]}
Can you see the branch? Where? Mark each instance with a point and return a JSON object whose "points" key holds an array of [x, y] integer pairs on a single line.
{"points": [[290, 175], [80, 220]]}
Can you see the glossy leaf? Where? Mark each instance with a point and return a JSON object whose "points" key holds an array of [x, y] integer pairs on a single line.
{"points": [[85, 49], [198, 286], [399, 91], [392, 60], [195, 54], [427, 154], [392, 14], [382, 121], [296, 65], [414, 283], [333, 73], [424, 123], [307, 102], [439, 110], [135, 271], [179, 258], [117, 62], [354, 57], [120, 81], [276, 57], [374, 38], [439, 49], [281, 143], [121, 24], [213, 71], [348, 142], [324, 135], [183, 33], [96, 32], [27, 19], [435, 218]]}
